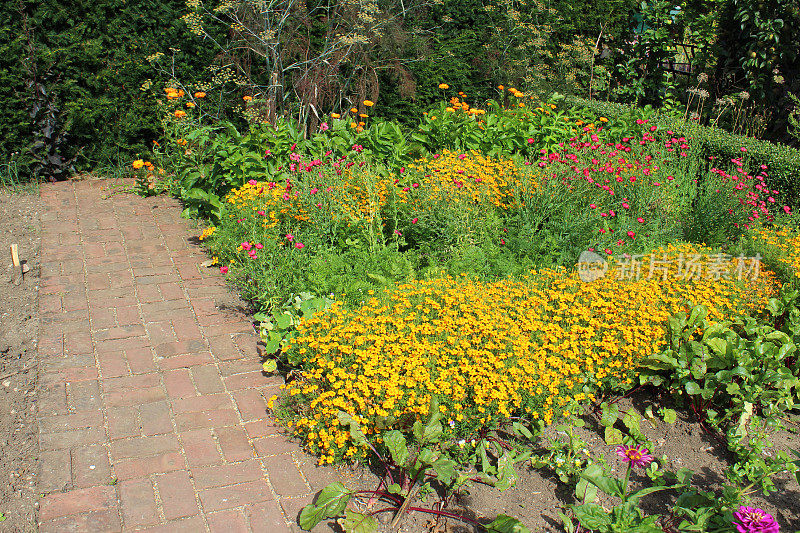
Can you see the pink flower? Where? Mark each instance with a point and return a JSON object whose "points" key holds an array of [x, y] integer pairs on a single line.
{"points": [[631, 234], [223, 270], [299, 245], [252, 182], [324, 126], [640, 220], [530, 141], [313, 190], [786, 209], [414, 220], [752, 520], [593, 206], [246, 245], [259, 246], [635, 455], [607, 251], [289, 237]]}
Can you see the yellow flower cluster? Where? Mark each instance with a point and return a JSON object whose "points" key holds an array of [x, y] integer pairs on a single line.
{"points": [[780, 245], [208, 232], [454, 177], [488, 351]]}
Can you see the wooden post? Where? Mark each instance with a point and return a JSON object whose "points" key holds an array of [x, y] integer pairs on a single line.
{"points": [[16, 273]]}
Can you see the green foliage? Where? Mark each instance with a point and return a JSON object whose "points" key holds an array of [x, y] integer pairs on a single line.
{"points": [[73, 77], [411, 463]]}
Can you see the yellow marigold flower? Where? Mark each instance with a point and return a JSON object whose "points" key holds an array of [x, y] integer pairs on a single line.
{"points": [[369, 103], [189, 104], [450, 109], [353, 124], [354, 110], [199, 94], [444, 86], [138, 164], [363, 115], [335, 115], [500, 87], [603, 119]]}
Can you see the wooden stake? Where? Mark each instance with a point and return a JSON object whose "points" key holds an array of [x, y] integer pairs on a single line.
{"points": [[16, 274]]}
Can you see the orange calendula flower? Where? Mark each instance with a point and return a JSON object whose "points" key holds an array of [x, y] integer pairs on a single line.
{"points": [[247, 98], [444, 86], [500, 87], [335, 115], [369, 103], [354, 110], [199, 94], [180, 113], [363, 115], [138, 164]]}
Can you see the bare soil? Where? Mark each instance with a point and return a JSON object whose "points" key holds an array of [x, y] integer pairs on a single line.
{"points": [[19, 324]]}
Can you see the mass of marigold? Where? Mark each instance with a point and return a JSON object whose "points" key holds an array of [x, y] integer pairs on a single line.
{"points": [[489, 350]]}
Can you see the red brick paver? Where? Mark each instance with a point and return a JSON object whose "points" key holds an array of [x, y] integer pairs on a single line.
{"points": [[152, 409]]}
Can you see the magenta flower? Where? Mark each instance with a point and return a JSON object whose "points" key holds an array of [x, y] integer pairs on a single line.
{"points": [[635, 455], [751, 520], [223, 270], [299, 245]]}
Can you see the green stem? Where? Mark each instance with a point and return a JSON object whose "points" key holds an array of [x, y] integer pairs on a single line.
{"points": [[625, 483]]}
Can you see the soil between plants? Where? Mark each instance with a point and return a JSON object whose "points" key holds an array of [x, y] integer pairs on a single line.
{"points": [[538, 495], [19, 325]]}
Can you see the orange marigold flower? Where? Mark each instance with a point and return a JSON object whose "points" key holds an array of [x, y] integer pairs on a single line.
{"points": [[335, 115], [369, 103], [138, 164], [190, 104], [199, 94], [247, 98], [180, 113], [444, 86]]}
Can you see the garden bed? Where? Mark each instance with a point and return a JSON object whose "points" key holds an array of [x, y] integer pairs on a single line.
{"points": [[19, 324]]}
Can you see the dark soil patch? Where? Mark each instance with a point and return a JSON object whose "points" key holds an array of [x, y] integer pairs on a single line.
{"points": [[19, 324]]}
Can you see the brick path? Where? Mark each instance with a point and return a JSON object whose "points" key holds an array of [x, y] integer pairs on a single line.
{"points": [[152, 409]]}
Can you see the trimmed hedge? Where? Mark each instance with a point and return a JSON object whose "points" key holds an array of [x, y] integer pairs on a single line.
{"points": [[783, 162]]}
